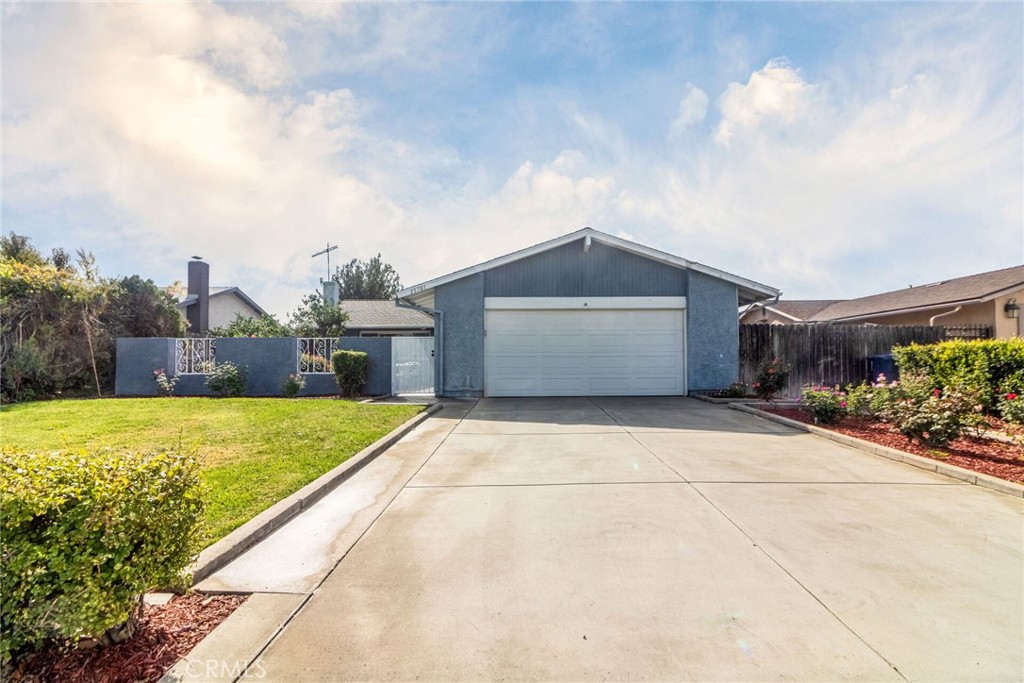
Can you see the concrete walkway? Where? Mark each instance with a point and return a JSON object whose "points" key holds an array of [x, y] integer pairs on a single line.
{"points": [[631, 539]]}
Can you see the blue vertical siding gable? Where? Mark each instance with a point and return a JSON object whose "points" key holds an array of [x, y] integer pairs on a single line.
{"points": [[568, 271]]}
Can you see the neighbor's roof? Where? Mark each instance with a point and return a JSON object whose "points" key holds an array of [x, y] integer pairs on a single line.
{"points": [[369, 314], [220, 291], [958, 291], [422, 294], [800, 309]]}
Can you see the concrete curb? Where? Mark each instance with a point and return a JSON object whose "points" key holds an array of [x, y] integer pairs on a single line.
{"points": [[740, 401], [262, 525], [969, 476]]}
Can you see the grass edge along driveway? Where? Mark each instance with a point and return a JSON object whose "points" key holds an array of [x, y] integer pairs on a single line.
{"points": [[255, 451]]}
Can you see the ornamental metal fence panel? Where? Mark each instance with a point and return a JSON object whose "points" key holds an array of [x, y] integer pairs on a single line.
{"points": [[314, 355], [194, 355], [968, 332]]}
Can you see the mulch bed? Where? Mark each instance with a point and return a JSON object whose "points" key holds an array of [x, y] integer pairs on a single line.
{"points": [[987, 456], [165, 634]]}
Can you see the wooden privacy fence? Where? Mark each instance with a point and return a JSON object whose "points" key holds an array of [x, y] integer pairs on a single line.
{"points": [[825, 353]]}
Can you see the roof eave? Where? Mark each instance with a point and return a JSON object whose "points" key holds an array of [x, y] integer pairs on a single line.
{"points": [[754, 291]]}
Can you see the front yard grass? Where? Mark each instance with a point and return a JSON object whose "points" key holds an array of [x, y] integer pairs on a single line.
{"points": [[255, 451]]}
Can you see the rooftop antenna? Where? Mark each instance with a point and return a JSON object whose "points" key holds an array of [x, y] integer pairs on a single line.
{"points": [[327, 251]]}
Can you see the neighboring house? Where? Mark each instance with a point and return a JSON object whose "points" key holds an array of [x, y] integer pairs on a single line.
{"points": [[784, 312], [206, 308], [384, 318], [990, 299], [585, 314]]}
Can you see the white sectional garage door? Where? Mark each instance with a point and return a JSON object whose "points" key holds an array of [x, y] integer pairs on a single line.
{"points": [[592, 350]]}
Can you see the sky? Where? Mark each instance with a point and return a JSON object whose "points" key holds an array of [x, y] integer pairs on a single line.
{"points": [[828, 150]]}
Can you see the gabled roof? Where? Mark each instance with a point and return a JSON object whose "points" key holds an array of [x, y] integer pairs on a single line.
{"points": [[799, 309], [370, 314], [422, 294], [955, 292], [190, 299]]}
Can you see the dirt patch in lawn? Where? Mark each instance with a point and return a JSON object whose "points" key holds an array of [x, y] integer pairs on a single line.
{"points": [[165, 634], [987, 456]]}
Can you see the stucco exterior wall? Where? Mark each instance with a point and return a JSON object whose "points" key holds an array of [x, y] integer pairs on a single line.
{"points": [[462, 304], [757, 315], [712, 333], [223, 309]]}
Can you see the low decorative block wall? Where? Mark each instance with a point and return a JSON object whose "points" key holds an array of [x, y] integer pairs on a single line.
{"points": [[269, 361]]}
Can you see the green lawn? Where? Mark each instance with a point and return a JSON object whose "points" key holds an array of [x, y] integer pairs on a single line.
{"points": [[255, 451]]}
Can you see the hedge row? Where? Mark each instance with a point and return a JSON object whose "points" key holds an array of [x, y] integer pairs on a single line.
{"points": [[85, 534], [991, 367]]}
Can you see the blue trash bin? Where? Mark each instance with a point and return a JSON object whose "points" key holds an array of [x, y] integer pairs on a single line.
{"points": [[883, 364]]}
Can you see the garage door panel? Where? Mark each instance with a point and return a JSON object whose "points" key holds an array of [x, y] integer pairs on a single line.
{"points": [[584, 352]]}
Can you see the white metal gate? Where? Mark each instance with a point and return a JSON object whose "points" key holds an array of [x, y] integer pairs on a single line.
{"points": [[412, 365]]}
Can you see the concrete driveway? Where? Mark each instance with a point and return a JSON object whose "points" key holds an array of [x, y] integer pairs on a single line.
{"points": [[649, 539]]}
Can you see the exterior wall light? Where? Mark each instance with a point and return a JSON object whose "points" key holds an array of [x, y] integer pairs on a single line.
{"points": [[1011, 308]]}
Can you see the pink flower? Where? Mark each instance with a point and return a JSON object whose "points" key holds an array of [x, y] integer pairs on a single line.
{"points": [[1011, 396]]}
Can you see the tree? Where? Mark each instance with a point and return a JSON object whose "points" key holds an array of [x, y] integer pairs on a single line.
{"points": [[59, 323], [138, 308], [264, 326], [372, 279], [19, 248], [317, 317]]}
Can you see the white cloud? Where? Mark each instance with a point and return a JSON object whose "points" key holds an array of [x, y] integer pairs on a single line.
{"points": [[692, 109], [198, 129], [776, 93]]}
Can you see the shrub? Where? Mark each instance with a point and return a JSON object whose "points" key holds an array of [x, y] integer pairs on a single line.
{"points": [[85, 534], [350, 369], [165, 385], [825, 404], [293, 385], [735, 390], [983, 365], [772, 377], [1011, 408], [932, 416], [869, 399], [227, 379]]}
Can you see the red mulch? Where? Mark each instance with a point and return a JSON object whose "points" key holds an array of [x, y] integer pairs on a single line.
{"points": [[166, 633], [987, 456]]}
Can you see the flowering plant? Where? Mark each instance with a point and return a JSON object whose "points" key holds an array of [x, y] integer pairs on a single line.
{"points": [[1011, 407], [293, 385], [165, 384], [772, 377], [825, 404]]}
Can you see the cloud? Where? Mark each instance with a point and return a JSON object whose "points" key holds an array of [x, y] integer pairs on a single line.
{"points": [[775, 93], [692, 109], [254, 134]]}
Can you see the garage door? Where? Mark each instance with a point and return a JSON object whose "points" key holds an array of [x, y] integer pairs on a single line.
{"points": [[591, 349]]}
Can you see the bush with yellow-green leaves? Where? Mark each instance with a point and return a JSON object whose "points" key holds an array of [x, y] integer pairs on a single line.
{"points": [[85, 534]]}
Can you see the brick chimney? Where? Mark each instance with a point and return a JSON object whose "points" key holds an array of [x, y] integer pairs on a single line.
{"points": [[198, 313]]}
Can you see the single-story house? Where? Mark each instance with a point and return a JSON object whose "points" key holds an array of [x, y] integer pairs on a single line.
{"points": [[784, 311], [585, 314], [992, 300], [385, 318], [204, 307]]}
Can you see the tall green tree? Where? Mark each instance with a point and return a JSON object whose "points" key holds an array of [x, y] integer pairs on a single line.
{"points": [[317, 317], [59, 322], [138, 308], [371, 279]]}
